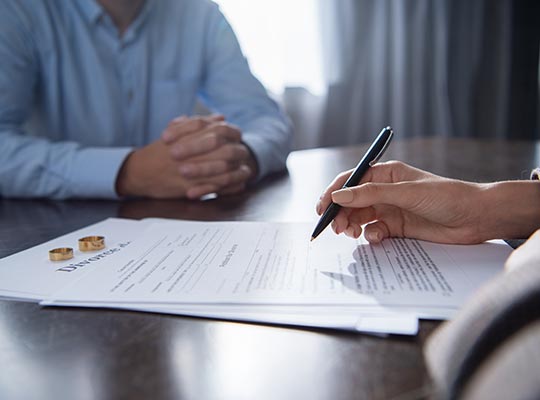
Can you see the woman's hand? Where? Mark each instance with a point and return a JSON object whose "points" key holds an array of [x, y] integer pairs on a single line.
{"points": [[397, 200]]}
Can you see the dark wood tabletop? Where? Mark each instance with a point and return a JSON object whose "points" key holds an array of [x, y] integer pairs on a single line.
{"points": [[57, 353]]}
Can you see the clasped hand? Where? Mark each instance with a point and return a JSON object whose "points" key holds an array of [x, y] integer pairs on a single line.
{"points": [[194, 157]]}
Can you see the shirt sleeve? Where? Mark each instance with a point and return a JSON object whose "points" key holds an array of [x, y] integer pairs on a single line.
{"points": [[230, 88], [32, 166]]}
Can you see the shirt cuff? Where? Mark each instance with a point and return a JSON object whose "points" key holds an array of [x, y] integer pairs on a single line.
{"points": [[257, 148], [264, 154], [95, 170]]}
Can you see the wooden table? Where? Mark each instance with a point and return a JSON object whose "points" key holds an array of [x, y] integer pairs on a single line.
{"points": [[98, 354]]}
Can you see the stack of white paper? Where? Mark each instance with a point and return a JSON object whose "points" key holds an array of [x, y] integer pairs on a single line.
{"points": [[257, 271]]}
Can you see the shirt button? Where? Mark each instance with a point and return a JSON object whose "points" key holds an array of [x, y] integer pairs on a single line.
{"points": [[130, 95]]}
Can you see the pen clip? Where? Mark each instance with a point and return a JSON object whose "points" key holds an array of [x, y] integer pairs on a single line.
{"points": [[383, 149]]}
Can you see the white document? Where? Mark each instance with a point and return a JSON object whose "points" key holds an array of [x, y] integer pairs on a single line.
{"points": [[254, 271], [215, 265], [369, 320], [30, 275]]}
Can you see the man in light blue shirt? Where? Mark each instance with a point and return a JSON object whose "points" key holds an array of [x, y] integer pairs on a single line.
{"points": [[96, 98]]}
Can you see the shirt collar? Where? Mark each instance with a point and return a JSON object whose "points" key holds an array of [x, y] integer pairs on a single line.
{"points": [[91, 10], [143, 15]]}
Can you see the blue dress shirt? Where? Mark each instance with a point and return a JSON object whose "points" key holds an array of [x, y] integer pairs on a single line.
{"points": [[75, 98]]}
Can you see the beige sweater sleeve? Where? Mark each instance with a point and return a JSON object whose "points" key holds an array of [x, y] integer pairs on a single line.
{"points": [[496, 334]]}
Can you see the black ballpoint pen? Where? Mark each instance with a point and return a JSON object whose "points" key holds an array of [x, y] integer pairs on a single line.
{"points": [[375, 152]]}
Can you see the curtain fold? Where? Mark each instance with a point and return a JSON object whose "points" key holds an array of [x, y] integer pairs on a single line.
{"points": [[448, 67]]}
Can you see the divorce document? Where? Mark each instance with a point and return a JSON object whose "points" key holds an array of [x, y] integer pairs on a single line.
{"points": [[31, 276], [273, 267]]}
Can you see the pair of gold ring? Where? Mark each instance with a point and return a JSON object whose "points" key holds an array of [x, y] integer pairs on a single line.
{"points": [[87, 243]]}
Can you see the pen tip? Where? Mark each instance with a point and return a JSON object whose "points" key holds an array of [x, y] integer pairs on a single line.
{"points": [[312, 239]]}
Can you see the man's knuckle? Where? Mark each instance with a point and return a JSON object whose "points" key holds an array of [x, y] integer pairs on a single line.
{"points": [[243, 152], [235, 133], [198, 123], [228, 153], [187, 148], [211, 140], [213, 169], [227, 179], [203, 170], [221, 166], [221, 128]]}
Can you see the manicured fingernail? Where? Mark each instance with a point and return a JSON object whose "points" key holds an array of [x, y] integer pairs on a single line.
{"points": [[343, 196], [318, 207], [373, 236]]}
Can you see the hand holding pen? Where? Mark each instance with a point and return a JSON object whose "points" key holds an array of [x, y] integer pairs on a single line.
{"points": [[394, 199], [374, 153]]}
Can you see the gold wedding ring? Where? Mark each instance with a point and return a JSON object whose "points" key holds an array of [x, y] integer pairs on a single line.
{"points": [[60, 254], [91, 243]]}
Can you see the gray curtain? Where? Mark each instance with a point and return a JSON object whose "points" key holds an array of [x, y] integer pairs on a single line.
{"points": [[445, 67]]}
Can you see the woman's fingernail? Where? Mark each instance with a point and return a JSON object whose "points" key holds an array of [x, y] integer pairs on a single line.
{"points": [[318, 207], [342, 196], [373, 236]]}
